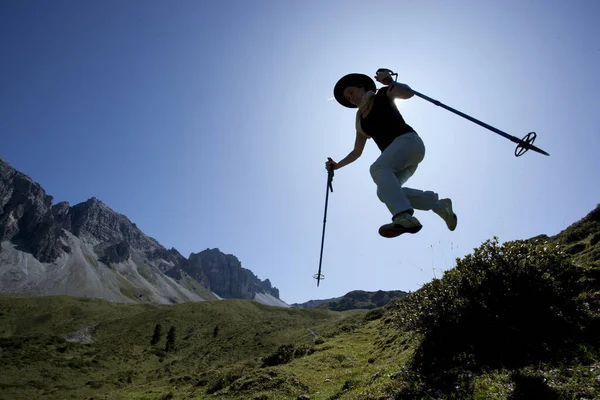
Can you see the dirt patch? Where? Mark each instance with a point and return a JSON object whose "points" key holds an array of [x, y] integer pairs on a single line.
{"points": [[83, 335]]}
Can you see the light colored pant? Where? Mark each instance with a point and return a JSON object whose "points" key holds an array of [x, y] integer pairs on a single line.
{"points": [[396, 164]]}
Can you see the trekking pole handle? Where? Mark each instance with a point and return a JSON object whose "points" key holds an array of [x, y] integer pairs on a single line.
{"points": [[330, 174], [392, 73]]}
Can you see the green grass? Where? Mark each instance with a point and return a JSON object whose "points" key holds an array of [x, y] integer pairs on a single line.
{"points": [[221, 348], [196, 287], [354, 365], [220, 351], [121, 363]]}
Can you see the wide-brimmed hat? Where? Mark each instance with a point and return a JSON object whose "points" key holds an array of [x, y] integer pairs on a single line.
{"points": [[358, 80]]}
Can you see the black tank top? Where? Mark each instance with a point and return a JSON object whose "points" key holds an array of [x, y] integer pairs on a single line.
{"points": [[384, 123]]}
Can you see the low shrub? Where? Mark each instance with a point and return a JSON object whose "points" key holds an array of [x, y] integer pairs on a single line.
{"points": [[286, 353], [504, 306]]}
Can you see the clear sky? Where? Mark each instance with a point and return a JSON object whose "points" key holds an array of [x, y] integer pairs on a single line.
{"points": [[208, 124]]}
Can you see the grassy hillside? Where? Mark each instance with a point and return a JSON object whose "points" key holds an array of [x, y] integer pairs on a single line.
{"points": [[215, 342], [356, 299], [518, 320]]}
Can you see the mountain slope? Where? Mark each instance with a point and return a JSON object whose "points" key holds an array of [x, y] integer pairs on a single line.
{"points": [[519, 319], [80, 273], [582, 239]]}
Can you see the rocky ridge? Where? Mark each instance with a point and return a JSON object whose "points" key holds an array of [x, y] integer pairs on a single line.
{"points": [[356, 299], [89, 249]]}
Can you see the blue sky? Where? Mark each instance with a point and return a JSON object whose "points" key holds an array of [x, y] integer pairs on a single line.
{"points": [[208, 124]]}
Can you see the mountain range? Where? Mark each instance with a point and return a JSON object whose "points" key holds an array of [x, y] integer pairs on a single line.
{"points": [[89, 250]]}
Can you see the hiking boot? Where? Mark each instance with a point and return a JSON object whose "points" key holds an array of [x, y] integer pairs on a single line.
{"points": [[447, 214], [402, 223]]}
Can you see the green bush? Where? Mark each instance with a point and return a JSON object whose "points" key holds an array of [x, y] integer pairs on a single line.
{"points": [[170, 346], [595, 239], [286, 353], [502, 306]]}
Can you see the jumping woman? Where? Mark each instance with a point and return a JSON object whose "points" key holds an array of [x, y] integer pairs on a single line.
{"points": [[378, 118]]}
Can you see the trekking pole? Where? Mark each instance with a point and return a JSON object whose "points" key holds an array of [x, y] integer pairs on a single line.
{"points": [[330, 174], [522, 144]]}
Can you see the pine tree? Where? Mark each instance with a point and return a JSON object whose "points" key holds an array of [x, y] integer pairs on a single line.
{"points": [[170, 340], [156, 336]]}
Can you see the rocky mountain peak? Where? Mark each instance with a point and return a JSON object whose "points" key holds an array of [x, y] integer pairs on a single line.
{"points": [[95, 222], [26, 214], [225, 276]]}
